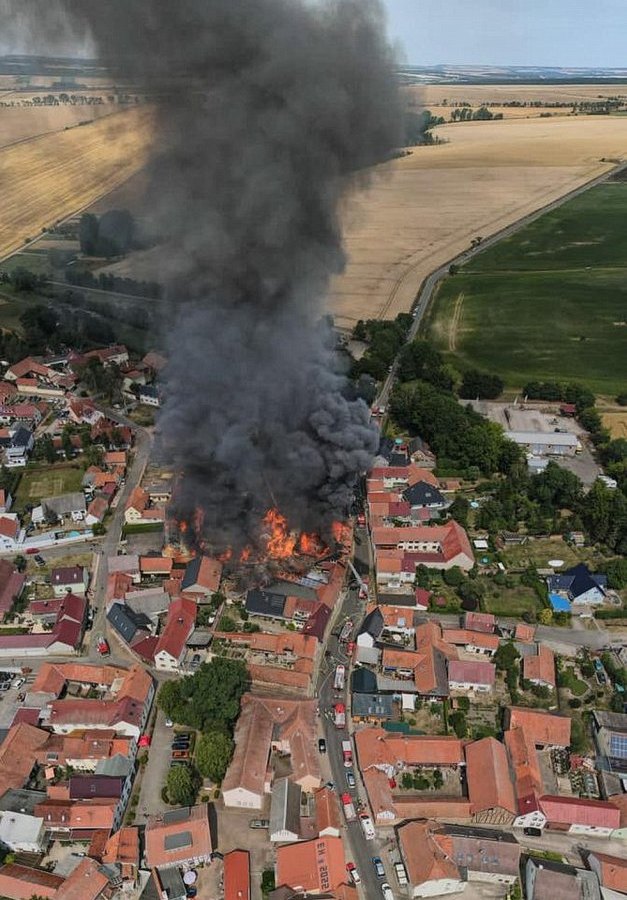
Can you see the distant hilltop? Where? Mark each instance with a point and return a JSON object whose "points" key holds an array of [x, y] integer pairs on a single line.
{"points": [[444, 74]]}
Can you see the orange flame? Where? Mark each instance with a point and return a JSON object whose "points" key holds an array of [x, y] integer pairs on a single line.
{"points": [[309, 544], [182, 526], [281, 542], [198, 520], [225, 557], [338, 531], [245, 554]]}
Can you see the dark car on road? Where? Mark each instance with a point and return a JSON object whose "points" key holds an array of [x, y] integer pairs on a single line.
{"points": [[322, 745], [532, 832], [378, 866]]}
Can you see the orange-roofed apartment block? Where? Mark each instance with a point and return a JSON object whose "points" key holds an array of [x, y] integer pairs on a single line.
{"points": [[179, 837]]}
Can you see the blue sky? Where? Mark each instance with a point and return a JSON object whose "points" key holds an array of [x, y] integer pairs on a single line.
{"points": [[510, 32]]}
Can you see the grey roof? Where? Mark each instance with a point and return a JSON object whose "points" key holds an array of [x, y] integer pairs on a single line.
{"points": [[285, 807], [192, 570], [172, 883], [199, 638], [64, 504], [174, 816], [151, 890], [396, 685], [117, 766], [373, 623], [178, 840], [151, 602], [363, 681], [549, 438], [379, 705], [21, 436], [126, 622], [123, 562], [292, 589], [424, 494], [264, 603], [368, 655], [556, 881], [21, 800], [613, 721]]}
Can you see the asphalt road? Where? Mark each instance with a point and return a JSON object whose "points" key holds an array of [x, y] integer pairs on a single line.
{"points": [[109, 543]]}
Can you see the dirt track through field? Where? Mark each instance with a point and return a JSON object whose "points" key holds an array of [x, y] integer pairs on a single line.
{"points": [[455, 322]]}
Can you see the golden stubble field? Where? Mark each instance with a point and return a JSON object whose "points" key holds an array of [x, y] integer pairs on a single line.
{"points": [[53, 176], [424, 209], [21, 123]]}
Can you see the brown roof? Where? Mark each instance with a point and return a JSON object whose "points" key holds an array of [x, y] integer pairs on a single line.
{"points": [[262, 720], [526, 769], [524, 633], [138, 500], [86, 882], [123, 847], [473, 638], [18, 754], [424, 859], [471, 671], [178, 836], [543, 727], [579, 811], [24, 882], [179, 624], [488, 778], [612, 871], [377, 747], [451, 538], [540, 667], [327, 810], [379, 792], [160, 565]]}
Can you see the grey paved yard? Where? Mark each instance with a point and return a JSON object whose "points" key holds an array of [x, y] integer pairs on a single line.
{"points": [[153, 779]]}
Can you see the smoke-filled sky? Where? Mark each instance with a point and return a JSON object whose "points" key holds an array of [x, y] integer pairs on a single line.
{"points": [[271, 112]]}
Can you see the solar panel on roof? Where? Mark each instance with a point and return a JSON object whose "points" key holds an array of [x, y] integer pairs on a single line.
{"points": [[176, 815], [177, 841], [618, 745]]}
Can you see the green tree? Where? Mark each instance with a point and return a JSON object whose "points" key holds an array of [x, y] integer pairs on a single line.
{"points": [[454, 577], [482, 385], [182, 786], [438, 780], [88, 233], [457, 720], [213, 754], [506, 656], [267, 881], [226, 623], [208, 700], [460, 510]]}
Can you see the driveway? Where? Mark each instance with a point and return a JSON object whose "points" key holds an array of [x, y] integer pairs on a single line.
{"points": [[155, 772]]}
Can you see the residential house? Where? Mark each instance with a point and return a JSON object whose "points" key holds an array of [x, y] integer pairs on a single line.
{"points": [[540, 669], [434, 546], [285, 811], [548, 880], [83, 412], [125, 564], [11, 534], [264, 603], [266, 724], [202, 576], [115, 354], [475, 676], [544, 729], [179, 624], [64, 507], [11, 585], [610, 734], [69, 579], [393, 753], [425, 497], [149, 395], [373, 709], [595, 818], [611, 872], [528, 785], [440, 859], [476, 642], [23, 882], [328, 819], [18, 450], [490, 788], [236, 875], [315, 866], [152, 566], [477, 621], [6, 501], [579, 586], [371, 629], [96, 511], [179, 837], [86, 882], [22, 833], [138, 512]]}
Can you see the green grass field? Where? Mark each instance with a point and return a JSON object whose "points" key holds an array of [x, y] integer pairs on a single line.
{"points": [[548, 303], [47, 481], [511, 602]]}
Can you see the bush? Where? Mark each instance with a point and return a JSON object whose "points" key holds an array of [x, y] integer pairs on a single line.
{"points": [[574, 703]]}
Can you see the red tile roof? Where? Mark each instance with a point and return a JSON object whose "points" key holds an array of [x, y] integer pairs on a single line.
{"points": [[23, 882], [542, 727], [612, 871], [541, 667], [526, 769], [179, 624], [193, 833], [327, 810], [138, 500], [85, 882], [155, 565], [464, 637], [314, 866], [9, 527], [471, 671], [577, 811], [451, 538], [424, 859], [376, 747], [236, 875], [487, 775], [476, 621]]}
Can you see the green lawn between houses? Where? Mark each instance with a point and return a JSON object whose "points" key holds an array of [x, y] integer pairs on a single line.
{"points": [[548, 303], [47, 481]]}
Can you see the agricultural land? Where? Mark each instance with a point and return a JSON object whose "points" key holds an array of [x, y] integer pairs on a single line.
{"points": [[552, 297]]}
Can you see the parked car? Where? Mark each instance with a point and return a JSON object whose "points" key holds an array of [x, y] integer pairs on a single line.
{"points": [[532, 832], [322, 745], [354, 874], [259, 823], [378, 866], [169, 723], [178, 762], [40, 562], [19, 682], [5, 686], [386, 890], [350, 778], [180, 754]]}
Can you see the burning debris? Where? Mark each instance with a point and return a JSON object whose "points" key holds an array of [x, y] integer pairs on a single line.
{"points": [[269, 114]]}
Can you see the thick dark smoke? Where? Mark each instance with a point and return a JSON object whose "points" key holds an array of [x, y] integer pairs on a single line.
{"points": [[269, 113]]}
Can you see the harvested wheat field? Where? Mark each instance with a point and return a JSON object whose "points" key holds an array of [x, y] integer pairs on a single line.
{"points": [[21, 123], [478, 94], [53, 176], [424, 209], [616, 423]]}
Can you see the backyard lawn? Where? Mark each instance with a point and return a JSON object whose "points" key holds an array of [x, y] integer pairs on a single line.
{"points": [[511, 602], [47, 481]]}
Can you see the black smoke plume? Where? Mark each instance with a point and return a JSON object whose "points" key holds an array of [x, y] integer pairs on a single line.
{"points": [[269, 113]]}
